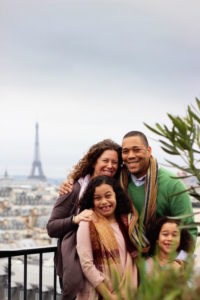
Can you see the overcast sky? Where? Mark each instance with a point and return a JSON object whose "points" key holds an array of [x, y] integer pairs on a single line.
{"points": [[89, 70]]}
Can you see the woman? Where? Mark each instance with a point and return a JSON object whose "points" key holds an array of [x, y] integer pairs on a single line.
{"points": [[102, 158], [105, 247]]}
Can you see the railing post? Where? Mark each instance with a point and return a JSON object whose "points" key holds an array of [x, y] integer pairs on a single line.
{"points": [[54, 284], [40, 277], [25, 276], [9, 278]]}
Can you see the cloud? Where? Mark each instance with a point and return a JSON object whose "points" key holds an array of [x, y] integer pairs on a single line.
{"points": [[87, 70]]}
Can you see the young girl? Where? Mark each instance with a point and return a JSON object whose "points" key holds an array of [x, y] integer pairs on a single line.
{"points": [[104, 244], [167, 239]]}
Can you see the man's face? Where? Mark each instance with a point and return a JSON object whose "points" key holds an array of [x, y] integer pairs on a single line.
{"points": [[136, 155]]}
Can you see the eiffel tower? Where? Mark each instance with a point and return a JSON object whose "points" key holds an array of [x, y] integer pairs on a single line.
{"points": [[37, 165]]}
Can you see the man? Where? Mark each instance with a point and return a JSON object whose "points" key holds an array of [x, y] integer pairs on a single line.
{"points": [[154, 191]]}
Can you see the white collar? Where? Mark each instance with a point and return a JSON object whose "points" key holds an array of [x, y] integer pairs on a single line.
{"points": [[138, 181]]}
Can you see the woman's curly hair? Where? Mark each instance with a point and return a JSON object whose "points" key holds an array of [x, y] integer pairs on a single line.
{"points": [[87, 162], [123, 206]]}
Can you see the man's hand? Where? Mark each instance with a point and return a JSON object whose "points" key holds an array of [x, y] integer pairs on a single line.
{"points": [[85, 215], [66, 187]]}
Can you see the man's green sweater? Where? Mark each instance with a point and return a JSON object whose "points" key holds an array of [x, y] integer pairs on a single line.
{"points": [[167, 203]]}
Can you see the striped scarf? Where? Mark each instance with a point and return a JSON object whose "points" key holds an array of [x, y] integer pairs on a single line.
{"points": [[106, 253], [104, 246], [149, 210], [151, 189]]}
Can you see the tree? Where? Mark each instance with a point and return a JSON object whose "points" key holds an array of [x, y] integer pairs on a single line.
{"points": [[182, 139]]}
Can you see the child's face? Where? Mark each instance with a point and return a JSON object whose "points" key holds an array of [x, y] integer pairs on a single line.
{"points": [[105, 201], [169, 238]]}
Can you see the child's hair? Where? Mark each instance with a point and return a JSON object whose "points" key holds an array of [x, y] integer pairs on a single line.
{"points": [[186, 240], [123, 202]]}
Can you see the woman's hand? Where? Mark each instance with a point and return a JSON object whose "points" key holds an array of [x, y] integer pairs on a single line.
{"points": [[66, 187], [85, 215]]}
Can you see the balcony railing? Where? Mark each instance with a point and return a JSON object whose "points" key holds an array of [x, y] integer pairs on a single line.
{"points": [[25, 253]]}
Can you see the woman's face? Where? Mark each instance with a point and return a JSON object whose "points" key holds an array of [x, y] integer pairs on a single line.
{"points": [[105, 201], [169, 238], [106, 164]]}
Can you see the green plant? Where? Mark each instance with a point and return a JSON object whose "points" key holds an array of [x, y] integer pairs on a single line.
{"points": [[163, 284], [182, 138]]}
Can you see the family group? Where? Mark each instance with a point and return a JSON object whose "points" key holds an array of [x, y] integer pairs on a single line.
{"points": [[116, 205]]}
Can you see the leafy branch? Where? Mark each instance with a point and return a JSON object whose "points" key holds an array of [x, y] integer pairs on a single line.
{"points": [[182, 138]]}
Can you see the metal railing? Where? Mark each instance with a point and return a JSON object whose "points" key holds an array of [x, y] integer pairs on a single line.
{"points": [[25, 252], [40, 251]]}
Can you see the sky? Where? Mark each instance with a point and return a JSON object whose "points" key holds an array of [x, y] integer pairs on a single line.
{"points": [[89, 70]]}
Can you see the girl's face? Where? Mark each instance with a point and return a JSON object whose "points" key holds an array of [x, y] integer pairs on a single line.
{"points": [[169, 238], [105, 201], [106, 164]]}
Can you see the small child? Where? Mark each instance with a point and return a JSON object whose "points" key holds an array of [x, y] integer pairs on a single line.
{"points": [[167, 239]]}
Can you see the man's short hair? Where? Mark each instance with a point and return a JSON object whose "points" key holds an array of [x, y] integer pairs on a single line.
{"points": [[137, 133]]}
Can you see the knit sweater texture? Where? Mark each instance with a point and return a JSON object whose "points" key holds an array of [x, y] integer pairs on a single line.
{"points": [[169, 202]]}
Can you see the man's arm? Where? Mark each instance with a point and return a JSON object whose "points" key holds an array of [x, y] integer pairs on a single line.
{"points": [[180, 204], [66, 187]]}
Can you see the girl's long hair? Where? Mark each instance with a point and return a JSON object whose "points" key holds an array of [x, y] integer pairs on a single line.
{"points": [[123, 202]]}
